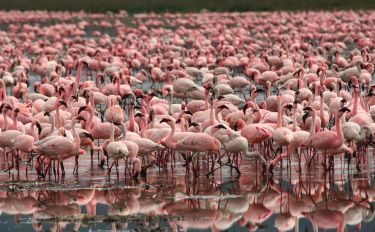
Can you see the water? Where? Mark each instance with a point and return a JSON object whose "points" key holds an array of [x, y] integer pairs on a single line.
{"points": [[97, 201]]}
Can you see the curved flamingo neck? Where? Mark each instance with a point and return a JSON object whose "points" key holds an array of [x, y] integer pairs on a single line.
{"points": [[241, 124], [173, 131]]}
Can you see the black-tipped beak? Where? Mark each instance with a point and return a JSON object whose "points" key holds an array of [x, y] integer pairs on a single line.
{"points": [[88, 135], [82, 108], [37, 124], [344, 109], [188, 112], [139, 114], [178, 120], [79, 118], [220, 126], [305, 116], [244, 108], [307, 108], [193, 124], [166, 120], [289, 106], [46, 114], [223, 107], [64, 104], [16, 111]]}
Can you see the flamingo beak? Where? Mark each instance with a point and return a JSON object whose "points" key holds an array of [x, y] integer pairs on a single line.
{"points": [[82, 108], [166, 120], [220, 126], [305, 116], [63, 103]]}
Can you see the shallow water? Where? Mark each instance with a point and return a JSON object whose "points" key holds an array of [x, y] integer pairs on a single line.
{"points": [[163, 199]]}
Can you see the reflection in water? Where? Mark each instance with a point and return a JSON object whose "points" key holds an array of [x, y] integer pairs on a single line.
{"points": [[162, 200]]}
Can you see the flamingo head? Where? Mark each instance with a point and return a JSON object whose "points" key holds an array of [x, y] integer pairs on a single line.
{"points": [[5, 107], [166, 120], [222, 107], [139, 114], [62, 103], [307, 110], [342, 111]]}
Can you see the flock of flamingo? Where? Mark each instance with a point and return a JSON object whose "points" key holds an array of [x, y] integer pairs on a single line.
{"points": [[251, 85], [192, 92]]}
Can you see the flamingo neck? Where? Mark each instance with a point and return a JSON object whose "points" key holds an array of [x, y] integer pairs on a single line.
{"points": [[89, 121], [279, 114], [212, 114], [143, 126], [173, 131], [321, 112], [206, 100], [52, 121], [355, 106], [58, 118], [15, 125], [4, 92], [340, 134], [92, 102], [294, 119], [77, 140], [79, 73], [5, 120], [170, 104], [313, 123], [250, 119], [131, 119], [241, 124], [123, 131], [112, 136], [118, 86], [365, 105], [35, 135]]}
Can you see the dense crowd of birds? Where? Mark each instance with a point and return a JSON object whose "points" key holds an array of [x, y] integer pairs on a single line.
{"points": [[151, 89]]}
